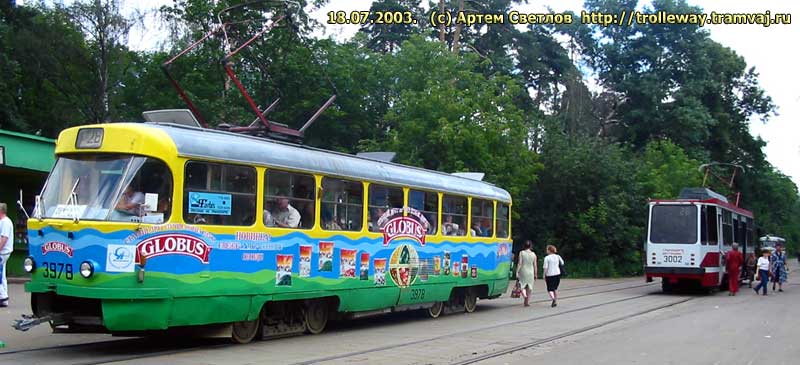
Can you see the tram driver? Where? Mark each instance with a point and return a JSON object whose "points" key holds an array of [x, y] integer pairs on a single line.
{"points": [[285, 215], [131, 201]]}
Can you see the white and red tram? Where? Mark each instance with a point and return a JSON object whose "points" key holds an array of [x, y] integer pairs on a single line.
{"points": [[688, 237]]}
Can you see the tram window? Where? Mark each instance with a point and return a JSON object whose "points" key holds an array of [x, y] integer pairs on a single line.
{"points": [[289, 199], [673, 224], [737, 230], [749, 234], [502, 220], [727, 228], [219, 194], [342, 204], [708, 225], [381, 199], [428, 204], [113, 187], [482, 216], [454, 215]]}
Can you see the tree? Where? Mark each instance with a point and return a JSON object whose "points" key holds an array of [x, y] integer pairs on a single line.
{"points": [[587, 202], [107, 32], [388, 37]]}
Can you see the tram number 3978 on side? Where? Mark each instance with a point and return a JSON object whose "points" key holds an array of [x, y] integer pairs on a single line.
{"points": [[417, 294]]}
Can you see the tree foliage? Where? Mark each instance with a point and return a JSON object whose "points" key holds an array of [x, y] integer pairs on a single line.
{"points": [[511, 102]]}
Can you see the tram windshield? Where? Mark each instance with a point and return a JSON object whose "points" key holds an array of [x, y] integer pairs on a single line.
{"points": [[110, 187], [673, 224], [770, 242]]}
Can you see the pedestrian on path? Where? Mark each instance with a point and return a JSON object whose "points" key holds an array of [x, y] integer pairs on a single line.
{"points": [[552, 272], [6, 246], [763, 272], [750, 268], [778, 266], [526, 271], [733, 264]]}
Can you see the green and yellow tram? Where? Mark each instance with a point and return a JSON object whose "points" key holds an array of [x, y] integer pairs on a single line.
{"points": [[152, 226]]}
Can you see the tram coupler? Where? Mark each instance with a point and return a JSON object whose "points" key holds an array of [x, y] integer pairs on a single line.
{"points": [[29, 321]]}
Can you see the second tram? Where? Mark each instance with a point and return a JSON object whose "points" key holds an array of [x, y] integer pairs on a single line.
{"points": [[688, 237]]}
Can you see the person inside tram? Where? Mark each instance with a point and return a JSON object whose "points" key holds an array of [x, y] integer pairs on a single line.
{"points": [[486, 227], [431, 218], [131, 201], [448, 227], [477, 230], [329, 221], [285, 215], [375, 216]]}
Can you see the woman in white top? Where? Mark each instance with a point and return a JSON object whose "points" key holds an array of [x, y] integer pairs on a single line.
{"points": [[763, 271], [526, 271], [552, 272]]}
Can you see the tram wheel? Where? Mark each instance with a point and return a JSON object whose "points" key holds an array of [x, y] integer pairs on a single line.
{"points": [[315, 316], [436, 310], [666, 286], [470, 300], [245, 331]]}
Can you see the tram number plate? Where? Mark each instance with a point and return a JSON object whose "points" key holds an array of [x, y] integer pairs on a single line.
{"points": [[417, 294], [673, 259], [54, 270]]}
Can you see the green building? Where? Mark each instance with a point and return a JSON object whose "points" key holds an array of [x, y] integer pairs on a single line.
{"points": [[25, 161]]}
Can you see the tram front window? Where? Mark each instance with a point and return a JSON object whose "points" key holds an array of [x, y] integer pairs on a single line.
{"points": [[673, 224], [108, 187]]}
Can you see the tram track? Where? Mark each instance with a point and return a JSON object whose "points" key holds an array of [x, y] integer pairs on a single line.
{"points": [[108, 347], [512, 349], [485, 328]]}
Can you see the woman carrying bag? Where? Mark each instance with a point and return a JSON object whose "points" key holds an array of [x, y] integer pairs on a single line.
{"points": [[526, 271]]}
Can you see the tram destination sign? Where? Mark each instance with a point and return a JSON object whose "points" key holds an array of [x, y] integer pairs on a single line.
{"points": [[89, 138]]}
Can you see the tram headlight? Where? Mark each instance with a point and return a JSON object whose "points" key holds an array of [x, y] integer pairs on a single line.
{"points": [[28, 264], [87, 269]]}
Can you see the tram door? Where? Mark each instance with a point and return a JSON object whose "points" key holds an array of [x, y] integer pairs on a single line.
{"points": [[711, 253]]}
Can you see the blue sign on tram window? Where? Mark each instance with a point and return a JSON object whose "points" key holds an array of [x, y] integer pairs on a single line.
{"points": [[209, 203]]}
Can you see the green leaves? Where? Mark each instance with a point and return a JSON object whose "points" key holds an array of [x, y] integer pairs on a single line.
{"points": [[510, 102]]}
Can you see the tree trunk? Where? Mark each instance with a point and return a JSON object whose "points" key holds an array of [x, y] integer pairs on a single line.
{"points": [[441, 25], [457, 33]]}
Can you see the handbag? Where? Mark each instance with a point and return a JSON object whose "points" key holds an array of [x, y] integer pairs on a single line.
{"points": [[561, 267], [517, 291]]}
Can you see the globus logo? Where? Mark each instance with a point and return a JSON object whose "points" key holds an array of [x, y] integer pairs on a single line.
{"points": [[173, 244], [403, 227], [394, 225], [54, 246]]}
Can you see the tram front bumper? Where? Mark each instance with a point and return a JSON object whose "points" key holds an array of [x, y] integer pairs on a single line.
{"points": [[117, 309], [655, 271], [97, 293]]}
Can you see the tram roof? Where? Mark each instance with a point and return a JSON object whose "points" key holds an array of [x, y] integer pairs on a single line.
{"points": [[712, 201], [221, 145]]}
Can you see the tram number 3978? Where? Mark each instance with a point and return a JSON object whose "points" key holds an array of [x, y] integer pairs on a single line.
{"points": [[673, 259], [417, 294], [56, 270]]}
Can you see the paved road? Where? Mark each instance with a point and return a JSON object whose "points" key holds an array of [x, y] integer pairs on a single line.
{"points": [[597, 321]]}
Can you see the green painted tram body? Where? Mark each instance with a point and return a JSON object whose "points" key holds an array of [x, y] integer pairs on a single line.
{"points": [[171, 274]]}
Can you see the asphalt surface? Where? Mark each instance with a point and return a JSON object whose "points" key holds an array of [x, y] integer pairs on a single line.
{"points": [[622, 321]]}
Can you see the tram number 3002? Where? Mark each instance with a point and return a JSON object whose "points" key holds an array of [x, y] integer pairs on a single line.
{"points": [[54, 270], [673, 259]]}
